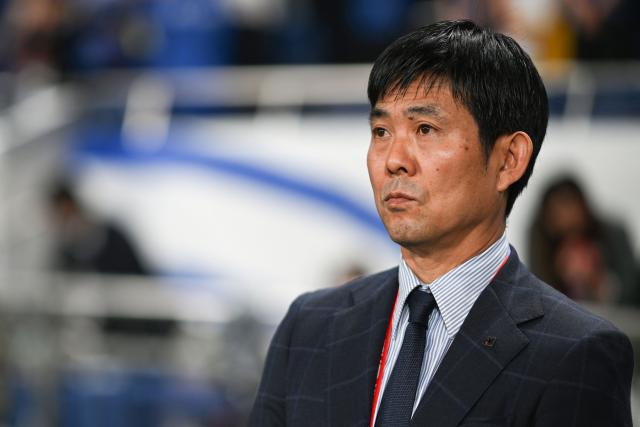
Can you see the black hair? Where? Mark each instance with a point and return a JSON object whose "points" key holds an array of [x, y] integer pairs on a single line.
{"points": [[488, 73]]}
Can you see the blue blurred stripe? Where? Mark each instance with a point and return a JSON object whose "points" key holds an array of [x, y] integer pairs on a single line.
{"points": [[256, 174]]}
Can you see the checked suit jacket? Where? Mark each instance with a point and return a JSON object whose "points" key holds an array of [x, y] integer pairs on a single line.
{"points": [[525, 356]]}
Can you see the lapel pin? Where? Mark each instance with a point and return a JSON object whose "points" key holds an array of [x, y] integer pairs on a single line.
{"points": [[489, 341]]}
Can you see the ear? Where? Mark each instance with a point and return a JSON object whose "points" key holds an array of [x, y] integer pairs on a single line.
{"points": [[513, 153]]}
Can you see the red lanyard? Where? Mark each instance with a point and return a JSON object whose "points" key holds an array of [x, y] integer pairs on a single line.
{"points": [[385, 350], [383, 362]]}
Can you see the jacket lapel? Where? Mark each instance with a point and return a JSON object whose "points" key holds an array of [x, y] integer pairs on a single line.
{"points": [[487, 341], [357, 335]]}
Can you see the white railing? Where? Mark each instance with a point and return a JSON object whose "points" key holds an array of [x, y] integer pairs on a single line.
{"points": [[263, 87]]}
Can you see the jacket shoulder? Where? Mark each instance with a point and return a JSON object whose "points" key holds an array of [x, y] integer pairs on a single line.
{"points": [[339, 297], [565, 316]]}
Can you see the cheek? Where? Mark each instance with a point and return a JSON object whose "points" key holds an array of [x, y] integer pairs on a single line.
{"points": [[442, 171], [376, 169], [441, 165], [454, 178]]}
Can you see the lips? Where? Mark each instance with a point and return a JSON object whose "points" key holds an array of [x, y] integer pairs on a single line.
{"points": [[397, 195], [397, 198]]}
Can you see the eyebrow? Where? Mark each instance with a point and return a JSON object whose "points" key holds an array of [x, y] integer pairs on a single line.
{"points": [[420, 110], [376, 113], [424, 110]]}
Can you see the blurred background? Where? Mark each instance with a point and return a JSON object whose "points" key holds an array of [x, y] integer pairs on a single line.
{"points": [[174, 172]]}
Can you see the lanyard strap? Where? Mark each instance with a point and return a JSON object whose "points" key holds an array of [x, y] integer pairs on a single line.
{"points": [[383, 362]]}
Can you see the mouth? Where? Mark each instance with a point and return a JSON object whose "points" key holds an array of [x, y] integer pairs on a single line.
{"points": [[397, 199]]}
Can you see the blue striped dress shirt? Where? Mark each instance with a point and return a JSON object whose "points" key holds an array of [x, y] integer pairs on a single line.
{"points": [[454, 292]]}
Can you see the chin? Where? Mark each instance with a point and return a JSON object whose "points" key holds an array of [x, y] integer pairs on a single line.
{"points": [[413, 236], [408, 243], [405, 236]]}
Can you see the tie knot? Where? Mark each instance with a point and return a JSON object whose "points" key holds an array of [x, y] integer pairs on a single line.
{"points": [[421, 304]]}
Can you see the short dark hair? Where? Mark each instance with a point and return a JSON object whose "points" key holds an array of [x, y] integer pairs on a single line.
{"points": [[489, 74]]}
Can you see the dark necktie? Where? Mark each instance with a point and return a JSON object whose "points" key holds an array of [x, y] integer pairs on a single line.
{"points": [[400, 392]]}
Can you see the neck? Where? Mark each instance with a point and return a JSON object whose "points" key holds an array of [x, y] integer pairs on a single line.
{"points": [[430, 262]]}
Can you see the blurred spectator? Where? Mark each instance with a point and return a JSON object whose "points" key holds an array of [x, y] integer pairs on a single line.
{"points": [[605, 29], [497, 14], [255, 29], [85, 244], [581, 254], [581, 29], [358, 30], [34, 33], [63, 35], [541, 27]]}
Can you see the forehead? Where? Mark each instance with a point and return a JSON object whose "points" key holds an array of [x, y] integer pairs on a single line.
{"points": [[429, 96]]}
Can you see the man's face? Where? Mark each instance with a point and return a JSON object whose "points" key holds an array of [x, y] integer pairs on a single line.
{"points": [[431, 181]]}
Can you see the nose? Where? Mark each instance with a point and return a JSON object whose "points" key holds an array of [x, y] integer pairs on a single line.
{"points": [[400, 157]]}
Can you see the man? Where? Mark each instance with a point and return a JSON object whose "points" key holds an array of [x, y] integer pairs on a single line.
{"points": [[461, 333]]}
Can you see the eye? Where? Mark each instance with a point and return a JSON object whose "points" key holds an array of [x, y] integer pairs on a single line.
{"points": [[424, 129], [379, 132]]}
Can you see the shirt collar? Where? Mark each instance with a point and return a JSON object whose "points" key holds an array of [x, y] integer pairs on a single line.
{"points": [[456, 291]]}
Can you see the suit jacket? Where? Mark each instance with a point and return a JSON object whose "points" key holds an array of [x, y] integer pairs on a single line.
{"points": [[549, 362]]}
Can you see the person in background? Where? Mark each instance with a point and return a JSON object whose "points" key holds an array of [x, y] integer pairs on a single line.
{"points": [[581, 254], [84, 244], [604, 29]]}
